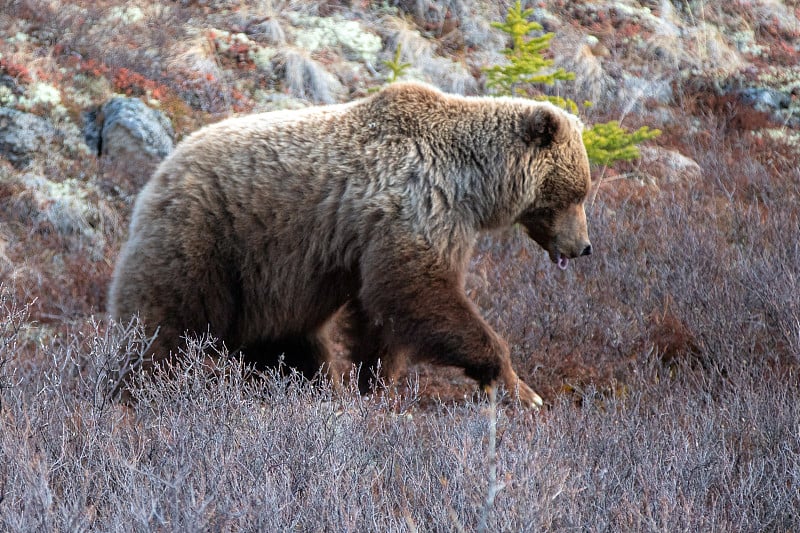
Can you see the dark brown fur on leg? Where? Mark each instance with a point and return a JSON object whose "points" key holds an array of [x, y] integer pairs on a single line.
{"points": [[367, 349], [308, 354], [421, 307]]}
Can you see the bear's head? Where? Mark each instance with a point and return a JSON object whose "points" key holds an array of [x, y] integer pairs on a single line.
{"points": [[559, 169]]}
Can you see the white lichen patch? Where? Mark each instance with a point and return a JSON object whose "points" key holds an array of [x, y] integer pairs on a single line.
{"points": [[224, 39], [37, 96], [781, 79], [7, 97], [19, 37], [68, 207], [225, 42], [86, 91], [41, 94], [125, 15], [262, 57], [789, 137], [745, 41], [74, 142], [317, 33], [643, 15]]}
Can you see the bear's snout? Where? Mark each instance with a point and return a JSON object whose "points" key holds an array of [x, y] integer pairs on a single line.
{"points": [[587, 250]]}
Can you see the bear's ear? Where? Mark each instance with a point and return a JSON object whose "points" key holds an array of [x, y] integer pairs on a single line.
{"points": [[542, 127]]}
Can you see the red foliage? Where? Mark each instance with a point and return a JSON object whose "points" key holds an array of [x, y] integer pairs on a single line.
{"points": [[628, 29], [19, 72], [240, 102], [237, 53], [134, 84], [240, 53], [739, 115], [734, 115], [782, 52], [92, 67], [669, 333]]}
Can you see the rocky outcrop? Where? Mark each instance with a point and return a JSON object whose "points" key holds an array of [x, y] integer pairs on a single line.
{"points": [[669, 166], [24, 134], [131, 127]]}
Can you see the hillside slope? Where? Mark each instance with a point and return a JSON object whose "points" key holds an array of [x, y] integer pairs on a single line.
{"points": [[669, 359]]}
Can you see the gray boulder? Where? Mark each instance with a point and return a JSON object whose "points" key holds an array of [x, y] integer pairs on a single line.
{"points": [[669, 166], [23, 134], [129, 127], [765, 99]]}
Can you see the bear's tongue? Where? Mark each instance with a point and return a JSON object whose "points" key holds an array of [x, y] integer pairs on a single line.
{"points": [[563, 262]]}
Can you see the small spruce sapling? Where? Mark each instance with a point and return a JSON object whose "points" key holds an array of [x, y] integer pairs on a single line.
{"points": [[526, 63], [396, 67], [609, 142], [605, 143]]}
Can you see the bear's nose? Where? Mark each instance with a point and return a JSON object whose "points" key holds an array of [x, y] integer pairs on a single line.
{"points": [[587, 250]]}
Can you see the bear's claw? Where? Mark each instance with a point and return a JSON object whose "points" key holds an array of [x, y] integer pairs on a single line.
{"points": [[527, 396], [520, 390]]}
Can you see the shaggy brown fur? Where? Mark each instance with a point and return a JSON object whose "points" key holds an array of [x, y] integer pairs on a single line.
{"points": [[259, 229]]}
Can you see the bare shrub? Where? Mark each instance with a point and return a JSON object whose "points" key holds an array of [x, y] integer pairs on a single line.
{"points": [[12, 323], [306, 78], [231, 451], [268, 30]]}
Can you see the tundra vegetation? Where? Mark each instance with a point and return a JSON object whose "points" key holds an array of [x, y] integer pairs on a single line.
{"points": [[669, 361]]}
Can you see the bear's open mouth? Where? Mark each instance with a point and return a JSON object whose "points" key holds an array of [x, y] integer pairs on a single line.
{"points": [[561, 260]]}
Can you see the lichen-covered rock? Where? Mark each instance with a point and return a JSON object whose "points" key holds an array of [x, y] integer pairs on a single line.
{"points": [[72, 208], [129, 127], [786, 82], [22, 135], [765, 99], [670, 166]]}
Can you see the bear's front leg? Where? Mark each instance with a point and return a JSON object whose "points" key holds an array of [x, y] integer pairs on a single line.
{"points": [[421, 307], [367, 349]]}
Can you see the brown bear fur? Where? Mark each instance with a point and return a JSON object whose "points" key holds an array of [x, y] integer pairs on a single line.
{"points": [[260, 228]]}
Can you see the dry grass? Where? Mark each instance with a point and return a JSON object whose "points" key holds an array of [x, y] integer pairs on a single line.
{"points": [[677, 453], [306, 78]]}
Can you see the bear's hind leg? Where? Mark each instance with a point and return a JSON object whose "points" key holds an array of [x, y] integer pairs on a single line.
{"points": [[367, 349], [307, 354]]}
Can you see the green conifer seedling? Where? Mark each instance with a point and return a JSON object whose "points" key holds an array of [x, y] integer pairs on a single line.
{"points": [[605, 143], [396, 67], [609, 142], [526, 63]]}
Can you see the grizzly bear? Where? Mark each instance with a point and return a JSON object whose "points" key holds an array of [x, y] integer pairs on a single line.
{"points": [[260, 229]]}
